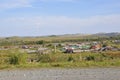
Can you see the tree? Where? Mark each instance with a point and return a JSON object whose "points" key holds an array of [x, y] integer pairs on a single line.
{"points": [[40, 42]]}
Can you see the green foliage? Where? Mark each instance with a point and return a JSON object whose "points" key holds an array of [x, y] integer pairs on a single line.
{"points": [[44, 58], [52, 39], [89, 58], [70, 59], [18, 58], [14, 58], [40, 42]]}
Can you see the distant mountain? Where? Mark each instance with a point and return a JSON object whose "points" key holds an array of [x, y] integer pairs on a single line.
{"points": [[75, 35], [68, 35], [107, 34], [112, 34], [82, 35]]}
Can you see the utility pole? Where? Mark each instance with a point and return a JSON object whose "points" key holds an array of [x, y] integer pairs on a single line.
{"points": [[55, 47]]}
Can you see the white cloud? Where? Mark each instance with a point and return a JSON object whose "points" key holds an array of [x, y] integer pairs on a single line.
{"points": [[63, 21], [46, 25], [7, 4]]}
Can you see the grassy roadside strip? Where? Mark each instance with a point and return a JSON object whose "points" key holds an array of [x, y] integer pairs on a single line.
{"points": [[15, 59]]}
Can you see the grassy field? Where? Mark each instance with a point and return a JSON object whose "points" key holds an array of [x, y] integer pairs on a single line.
{"points": [[17, 59]]}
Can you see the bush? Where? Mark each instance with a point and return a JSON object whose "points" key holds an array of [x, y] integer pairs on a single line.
{"points": [[18, 58], [70, 59], [89, 58], [44, 58], [40, 42]]}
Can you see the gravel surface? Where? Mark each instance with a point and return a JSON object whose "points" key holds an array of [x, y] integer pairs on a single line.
{"points": [[61, 74]]}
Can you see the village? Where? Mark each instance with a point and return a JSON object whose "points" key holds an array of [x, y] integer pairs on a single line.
{"points": [[67, 47], [59, 39], [70, 47], [59, 52], [88, 47]]}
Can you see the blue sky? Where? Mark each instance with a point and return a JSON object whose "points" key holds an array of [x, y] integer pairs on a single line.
{"points": [[48, 17]]}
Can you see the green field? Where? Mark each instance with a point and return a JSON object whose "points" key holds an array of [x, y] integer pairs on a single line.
{"points": [[13, 56], [15, 59]]}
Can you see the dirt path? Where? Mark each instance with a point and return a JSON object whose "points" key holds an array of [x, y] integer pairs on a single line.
{"points": [[61, 74]]}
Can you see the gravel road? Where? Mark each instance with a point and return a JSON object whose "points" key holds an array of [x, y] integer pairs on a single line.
{"points": [[61, 74]]}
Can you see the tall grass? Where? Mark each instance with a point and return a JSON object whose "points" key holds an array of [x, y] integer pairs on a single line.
{"points": [[18, 58], [13, 57], [85, 56], [85, 59]]}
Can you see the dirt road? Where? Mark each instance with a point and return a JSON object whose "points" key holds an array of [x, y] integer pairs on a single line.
{"points": [[61, 74]]}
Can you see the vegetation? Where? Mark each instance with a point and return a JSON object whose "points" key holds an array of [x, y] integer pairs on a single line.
{"points": [[18, 58], [54, 39], [15, 59]]}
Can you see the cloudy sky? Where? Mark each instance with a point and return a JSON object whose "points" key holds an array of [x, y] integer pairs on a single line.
{"points": [[48, 17]]}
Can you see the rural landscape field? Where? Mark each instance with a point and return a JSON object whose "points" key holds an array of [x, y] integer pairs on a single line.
{"points": [[65, 51], [59, 39], [61, 57]]}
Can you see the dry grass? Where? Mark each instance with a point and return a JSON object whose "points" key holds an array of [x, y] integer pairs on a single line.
{"points": [[15, 59]]}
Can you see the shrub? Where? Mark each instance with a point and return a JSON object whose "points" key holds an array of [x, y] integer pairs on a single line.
{"points": [[18, 58], [40, 42], [89, 58], [70, 59], [44, 58]]}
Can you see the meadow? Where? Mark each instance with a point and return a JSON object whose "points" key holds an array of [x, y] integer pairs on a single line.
{"points": [[16, 59]]}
